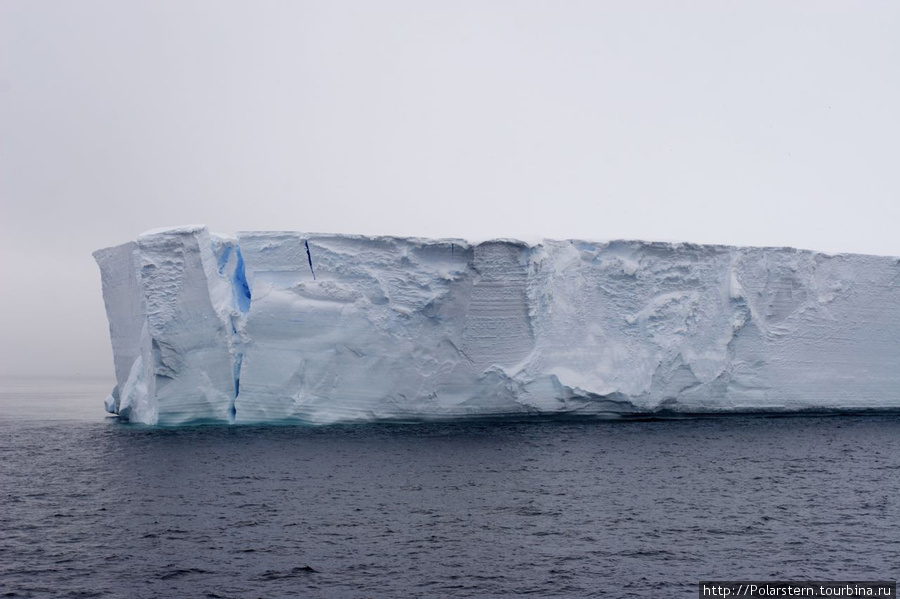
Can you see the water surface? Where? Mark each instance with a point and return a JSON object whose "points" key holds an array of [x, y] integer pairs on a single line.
{"points": [[94, 508]]}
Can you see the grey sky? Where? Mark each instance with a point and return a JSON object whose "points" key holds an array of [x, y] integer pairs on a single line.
{"points": [[748, 123]]}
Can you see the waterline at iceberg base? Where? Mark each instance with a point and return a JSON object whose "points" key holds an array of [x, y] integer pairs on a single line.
{"points": [[316, 328]]}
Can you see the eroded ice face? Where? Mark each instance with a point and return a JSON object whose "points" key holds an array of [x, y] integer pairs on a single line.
{"points": [[287, 326]]}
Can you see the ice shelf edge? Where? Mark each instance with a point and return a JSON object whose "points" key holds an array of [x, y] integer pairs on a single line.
{"points": [[320, 328]]}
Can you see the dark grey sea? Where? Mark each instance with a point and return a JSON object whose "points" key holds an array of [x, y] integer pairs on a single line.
{"points": [[90, 507]]}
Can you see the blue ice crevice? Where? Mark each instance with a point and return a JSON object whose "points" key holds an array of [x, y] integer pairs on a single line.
{"points": [[242, 298], [239, 283], [223, 259]]}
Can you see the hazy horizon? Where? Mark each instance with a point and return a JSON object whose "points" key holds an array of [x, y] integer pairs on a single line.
{"points": [[764, 124]]}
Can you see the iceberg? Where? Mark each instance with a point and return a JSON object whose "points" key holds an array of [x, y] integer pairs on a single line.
{"points": [[270, 327]]}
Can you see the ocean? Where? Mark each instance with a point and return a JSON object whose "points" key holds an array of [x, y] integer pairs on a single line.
{"points": [[92, 507]]}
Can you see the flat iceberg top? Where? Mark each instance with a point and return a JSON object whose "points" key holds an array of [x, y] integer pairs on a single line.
{"points": [[179, 230], [284, 326]]}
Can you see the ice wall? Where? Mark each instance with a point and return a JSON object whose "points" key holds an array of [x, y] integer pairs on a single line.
{"points": [[286, 326]]}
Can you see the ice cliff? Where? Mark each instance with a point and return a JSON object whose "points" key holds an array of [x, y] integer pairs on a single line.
{"points": [[286, 326]]}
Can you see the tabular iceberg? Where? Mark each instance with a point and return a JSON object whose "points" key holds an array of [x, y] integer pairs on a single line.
{"points": [[287, 326]]}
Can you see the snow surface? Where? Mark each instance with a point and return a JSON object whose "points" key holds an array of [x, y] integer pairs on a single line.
{"points": [[288, 326]]}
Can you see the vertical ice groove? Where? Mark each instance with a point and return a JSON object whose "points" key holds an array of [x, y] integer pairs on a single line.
{"points": [[222, 260], [233, 306], [242, 300], [309, 259], [239, 282]]}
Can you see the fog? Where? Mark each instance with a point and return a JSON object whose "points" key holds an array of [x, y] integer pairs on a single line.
{"points": [[745, 123]]}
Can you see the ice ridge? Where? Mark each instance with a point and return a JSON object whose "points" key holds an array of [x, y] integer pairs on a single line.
{"points": [[318, 328]]}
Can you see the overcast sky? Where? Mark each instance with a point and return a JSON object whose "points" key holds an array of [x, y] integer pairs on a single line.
{"points": [[748, 123]]}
